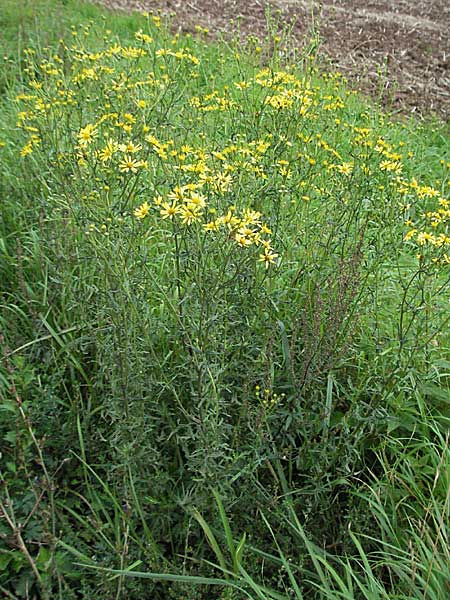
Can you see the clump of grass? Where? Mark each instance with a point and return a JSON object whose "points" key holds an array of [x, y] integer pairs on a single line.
{"points": [[219, 273]]}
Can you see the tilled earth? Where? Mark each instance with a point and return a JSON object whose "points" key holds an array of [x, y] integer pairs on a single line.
{"points": [[396, 50]]}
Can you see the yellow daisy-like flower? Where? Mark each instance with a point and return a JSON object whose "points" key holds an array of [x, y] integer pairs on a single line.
{"points": [[196, 200], [129, 147], [129, 117], [268, 257], [190, 214], [229, 220], [142, 211], [411, 233], [391, 165], [211, 226], [87, 134], [248, 233], [143, 37], [129, 164], [177, 194], [243, 240], [107, 152], [423, 237], [169, 210], [251, 217], [345, 168]]}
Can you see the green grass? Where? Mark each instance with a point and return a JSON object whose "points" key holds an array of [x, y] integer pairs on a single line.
{"points": [[224, 321]]}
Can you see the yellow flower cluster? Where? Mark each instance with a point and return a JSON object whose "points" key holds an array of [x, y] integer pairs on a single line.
{"points": [[185, 205], [179, 54], [211, 102], [268, 398], [213, 173], [430, 227]]}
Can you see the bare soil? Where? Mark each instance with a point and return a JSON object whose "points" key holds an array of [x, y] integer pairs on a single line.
{"points": [[395, 50]]}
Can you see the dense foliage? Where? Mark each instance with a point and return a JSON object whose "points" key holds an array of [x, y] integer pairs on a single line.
{"points": [[224, 324]]}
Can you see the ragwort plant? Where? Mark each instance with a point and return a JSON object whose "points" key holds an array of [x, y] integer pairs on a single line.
{"points": [[228, 244]]}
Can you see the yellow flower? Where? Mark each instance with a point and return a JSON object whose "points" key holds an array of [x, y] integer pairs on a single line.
{"points": [[142, 211], [411, 233], [129, 147], [251, 217], [143, 37], [27, 149], [177, 194], [391, 165], [424, 237], [268, 257], [129, 164], [229, 220], [345, 168], [211, 226], [279, 101], [243, 240], [190, 214], [196, 200], [169, 210], [107, 152], [87, 134]]}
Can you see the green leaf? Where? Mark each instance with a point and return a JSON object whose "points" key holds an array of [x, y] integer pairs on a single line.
{"points": [[211, 539]]}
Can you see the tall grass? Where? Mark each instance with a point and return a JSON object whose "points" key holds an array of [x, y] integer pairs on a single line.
{"points": [[224, 321]]}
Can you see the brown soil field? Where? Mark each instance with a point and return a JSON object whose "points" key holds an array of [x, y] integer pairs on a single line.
{"points": [[395, 50]]}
